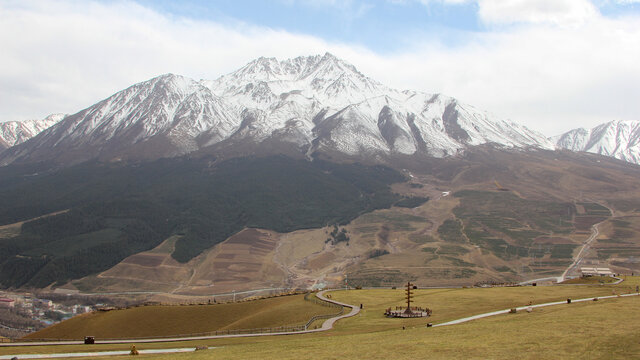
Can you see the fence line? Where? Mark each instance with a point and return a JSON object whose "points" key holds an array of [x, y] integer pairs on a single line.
{"points": [[314, 299], [278, 329]]}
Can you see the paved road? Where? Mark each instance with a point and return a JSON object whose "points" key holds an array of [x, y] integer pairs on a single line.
{"points": [[506, 311], [95, 353], [583, 251], [327, 325], [578, 259]]}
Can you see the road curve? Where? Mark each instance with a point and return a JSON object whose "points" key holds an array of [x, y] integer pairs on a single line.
{"points": [[506, 311], [327, 325]]}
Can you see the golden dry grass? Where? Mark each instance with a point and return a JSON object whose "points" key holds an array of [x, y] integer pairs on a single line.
{"points": [[164, 320], [596, 330], [591, 280], [603, 329], [451, 304]]}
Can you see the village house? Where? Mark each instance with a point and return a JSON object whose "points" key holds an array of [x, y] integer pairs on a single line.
{"points": [[7, 303]]}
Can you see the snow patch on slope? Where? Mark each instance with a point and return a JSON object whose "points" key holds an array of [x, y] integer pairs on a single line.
{"points": [[316, 102], [16, 132], [618, 139]]}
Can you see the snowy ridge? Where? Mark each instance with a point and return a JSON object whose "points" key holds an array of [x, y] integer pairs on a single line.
{"points": [[618, 139], [16, 132], [315, 104]]}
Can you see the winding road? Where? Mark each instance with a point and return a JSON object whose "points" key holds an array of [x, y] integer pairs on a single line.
{"points": [[326, 325], [506, 311]]}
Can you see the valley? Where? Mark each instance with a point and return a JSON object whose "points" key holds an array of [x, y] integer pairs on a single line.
{"points": [[298, 175]]}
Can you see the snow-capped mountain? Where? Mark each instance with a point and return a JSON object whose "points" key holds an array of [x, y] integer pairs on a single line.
{"points": [[311, 104], [16, 132], [618, 139]]}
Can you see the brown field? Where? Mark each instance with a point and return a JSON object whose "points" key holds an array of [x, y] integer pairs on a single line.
{"points": [[584, 223], [619, 244], [545, 240], [591, 280], [168, 320]]}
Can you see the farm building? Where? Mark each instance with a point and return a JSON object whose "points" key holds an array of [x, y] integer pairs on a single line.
{"points": [[594, 271]]}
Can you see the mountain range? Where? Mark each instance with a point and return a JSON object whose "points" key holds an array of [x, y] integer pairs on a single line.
{"points": [[307, 106], [618, 139], [174, 177], [16, 132]]}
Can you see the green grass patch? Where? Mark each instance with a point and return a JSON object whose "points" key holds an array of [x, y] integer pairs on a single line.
{"points": [[492, 218], [422, 238], [458, 262], [451, 231], [411, 202], [503, 268], [451, 249], [591, 280], [595, 209]]}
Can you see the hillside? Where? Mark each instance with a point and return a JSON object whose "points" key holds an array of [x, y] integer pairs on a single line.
{"points": [[302, 173], [158, 320], [507, 216], [491, 216], [116, 210]]}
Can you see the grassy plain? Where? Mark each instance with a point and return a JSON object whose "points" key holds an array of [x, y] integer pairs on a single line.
{"points": [[595, 330], [603, 329], [164, 320], [591, 280]]}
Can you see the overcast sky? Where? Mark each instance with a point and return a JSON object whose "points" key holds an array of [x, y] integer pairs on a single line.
{"points": [[552, 65]]}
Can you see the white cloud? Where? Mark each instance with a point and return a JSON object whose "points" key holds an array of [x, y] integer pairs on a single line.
{"points": [[62, 56], [65, 56], [549, 78], [560, 12]]}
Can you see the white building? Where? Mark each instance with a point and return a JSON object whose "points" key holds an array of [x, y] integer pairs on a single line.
{"points": [[596, 271]]}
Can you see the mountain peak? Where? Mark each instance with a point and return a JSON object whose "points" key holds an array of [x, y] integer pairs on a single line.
{"points": [[617, 138], [269, 69], [309, 104], [326, 78], [16, 132]]}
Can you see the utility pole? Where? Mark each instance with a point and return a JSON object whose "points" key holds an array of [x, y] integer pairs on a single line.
{"points": [[409, 296]]}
